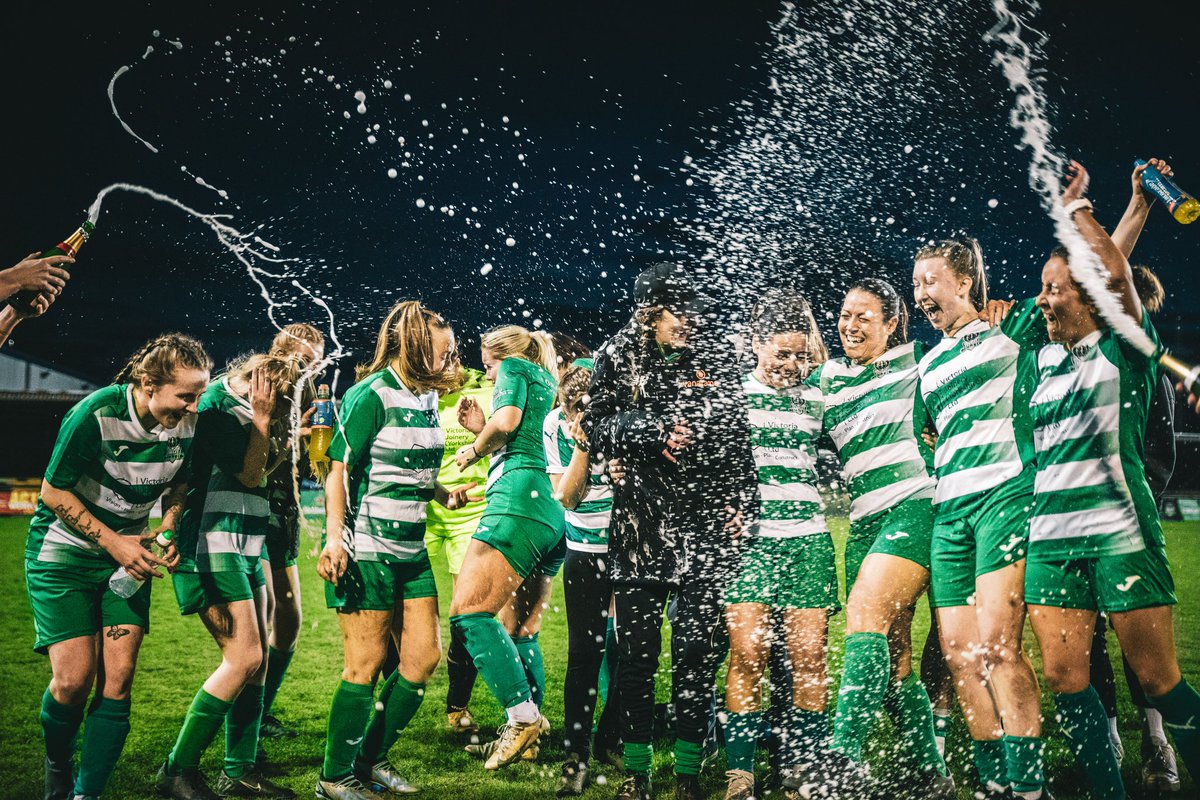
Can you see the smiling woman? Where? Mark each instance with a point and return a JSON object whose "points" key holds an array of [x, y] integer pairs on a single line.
{"points": [[118, 451]]}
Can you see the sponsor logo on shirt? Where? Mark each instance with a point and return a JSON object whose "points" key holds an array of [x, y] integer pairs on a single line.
{"points": [[702, 380]]}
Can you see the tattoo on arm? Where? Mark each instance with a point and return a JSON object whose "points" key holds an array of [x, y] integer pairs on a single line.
{"points": [[79, 521]]}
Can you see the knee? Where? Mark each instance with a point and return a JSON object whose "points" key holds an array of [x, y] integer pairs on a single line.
{"points": [[1064, 678], [862, 617], [1158, 680], [72, 687], [420, 668], [748, 661], [118, 683], [246, 662]]}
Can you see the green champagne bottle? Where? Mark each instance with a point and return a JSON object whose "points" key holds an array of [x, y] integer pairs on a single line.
{"points": [[68, 247]]}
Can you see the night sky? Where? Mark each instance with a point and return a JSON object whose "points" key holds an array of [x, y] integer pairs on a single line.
{"points": [[609, 118]]}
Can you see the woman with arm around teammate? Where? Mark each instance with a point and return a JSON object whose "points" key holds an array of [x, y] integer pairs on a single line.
{"points": [[220, 576], [788, 569], [518, 546], [976, 384], [874, 416], [385, 459], [1096, 542], [118, 450]]}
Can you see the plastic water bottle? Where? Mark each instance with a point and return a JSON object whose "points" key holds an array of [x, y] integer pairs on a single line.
{"points": [[1183, 207], [322, 426], [124, 585]]}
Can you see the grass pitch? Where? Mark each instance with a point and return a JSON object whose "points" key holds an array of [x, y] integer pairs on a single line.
{"points": [[178, 656]]}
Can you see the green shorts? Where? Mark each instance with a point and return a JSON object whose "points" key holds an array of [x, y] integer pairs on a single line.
{"points": [[196, 591], [530, 547], [905, 531], [281, 546], [451, 541], [792, 572], [993, 535], [379, 585], [70, 601], [1115, 583]]}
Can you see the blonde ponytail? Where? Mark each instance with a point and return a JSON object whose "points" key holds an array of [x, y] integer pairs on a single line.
{"points": [[509, 341]]}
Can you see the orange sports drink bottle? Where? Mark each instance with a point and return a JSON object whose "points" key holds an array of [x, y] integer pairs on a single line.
{"points": [[322, 426]]}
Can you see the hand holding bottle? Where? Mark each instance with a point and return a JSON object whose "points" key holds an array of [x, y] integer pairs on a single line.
{"points": [[35, 274]]}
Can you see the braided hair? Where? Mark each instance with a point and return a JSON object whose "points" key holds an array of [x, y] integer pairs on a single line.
{"points": [[158, 359]]}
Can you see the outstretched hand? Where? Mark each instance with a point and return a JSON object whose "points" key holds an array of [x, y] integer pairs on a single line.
{"points": [[470, 415], [1077, 183]]}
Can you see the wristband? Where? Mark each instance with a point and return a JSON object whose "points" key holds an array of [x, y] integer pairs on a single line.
{"points": [[1077, 205]]}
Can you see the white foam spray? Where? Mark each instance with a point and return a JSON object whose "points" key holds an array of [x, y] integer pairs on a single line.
{"points": [[1015, 57], [111, 85]]}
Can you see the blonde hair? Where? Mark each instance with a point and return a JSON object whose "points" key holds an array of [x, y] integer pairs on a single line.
{"points": [[1149, 288], [965, 258], [290, 339], [282, 371], [157, 360], [508, 341], [406, 341]]}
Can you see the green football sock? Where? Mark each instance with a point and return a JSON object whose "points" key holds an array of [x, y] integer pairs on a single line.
{"points": [[812, 731], [1023, 763], [242, 725], [638, 757], [1180, 709], [1085, 725], [990, 763], [535, 669], [864, 681], [277, 666], [200, 726], [398, 702], [495, 657], [688, 756], [60, 726], [741, 739], [348, 715], [103, 739], [908, 704]]}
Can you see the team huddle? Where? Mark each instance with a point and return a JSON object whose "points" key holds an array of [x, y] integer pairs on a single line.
{"points": [[1007, 472]]}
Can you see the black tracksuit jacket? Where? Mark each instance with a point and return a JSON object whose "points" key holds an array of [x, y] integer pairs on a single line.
{"points": [[668, 520]]}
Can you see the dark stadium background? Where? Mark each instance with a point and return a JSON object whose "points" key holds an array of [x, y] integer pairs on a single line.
{"points": [[601, 90]]}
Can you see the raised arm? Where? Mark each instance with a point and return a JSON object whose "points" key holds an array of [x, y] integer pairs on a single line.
{"points": [[1134, 219], [1120, 276]]}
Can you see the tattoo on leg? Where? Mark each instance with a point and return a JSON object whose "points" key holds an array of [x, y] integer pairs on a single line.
{"points": [[116, 632]]}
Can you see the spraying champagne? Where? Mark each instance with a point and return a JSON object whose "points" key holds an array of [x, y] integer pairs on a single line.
{"points": [[69, 247]]}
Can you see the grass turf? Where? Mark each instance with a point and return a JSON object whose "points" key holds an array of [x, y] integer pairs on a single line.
{"points": [[179, 655]]}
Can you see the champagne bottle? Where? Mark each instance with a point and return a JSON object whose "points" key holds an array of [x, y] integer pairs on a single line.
{"points": [[124, 585], [1183, 373], [71, 246], [1183, 207]]}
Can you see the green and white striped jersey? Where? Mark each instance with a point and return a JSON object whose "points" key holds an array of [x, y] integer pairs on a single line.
{"points": [[224, 523], [391, 443], [874, 415], [1090, 495], [587, 524], [529, 387], [117, 468], [784, 426], [976, 386]]}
